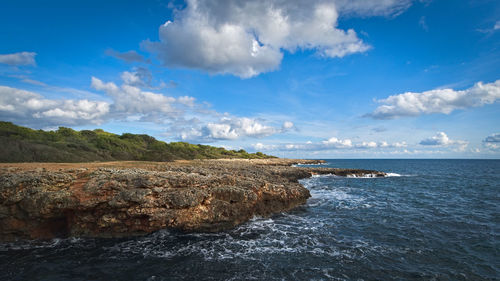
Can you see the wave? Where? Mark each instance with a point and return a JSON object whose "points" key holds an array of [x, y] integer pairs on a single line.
{"points": [[258, 240], [364, 176], [306, 165], [42, 244], [337, 198], [248, 242], [325, 176], [398, 175]]}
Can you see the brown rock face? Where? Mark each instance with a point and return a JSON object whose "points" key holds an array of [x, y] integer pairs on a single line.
{"points": [[132, 198]]}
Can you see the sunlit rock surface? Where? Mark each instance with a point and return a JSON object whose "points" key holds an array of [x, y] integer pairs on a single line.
{"points": [[116, 199]]}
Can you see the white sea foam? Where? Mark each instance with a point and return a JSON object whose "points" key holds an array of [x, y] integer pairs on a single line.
{"points": [[399, 175], [325, 176], [305, 164], [325, 193], [290, 234], [364, 176], [338, 198], [43, 244]]}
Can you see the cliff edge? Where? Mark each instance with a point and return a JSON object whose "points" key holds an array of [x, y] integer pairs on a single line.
{"points": [[116, 199]]}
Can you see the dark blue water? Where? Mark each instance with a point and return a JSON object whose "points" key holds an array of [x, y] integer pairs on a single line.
{"points": [[439, 220]]}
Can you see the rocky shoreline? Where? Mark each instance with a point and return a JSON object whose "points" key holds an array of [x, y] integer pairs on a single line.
{"points": [[117, 199]]}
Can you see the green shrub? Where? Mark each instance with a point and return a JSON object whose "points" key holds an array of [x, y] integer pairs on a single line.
{"points": [[21, 144]]}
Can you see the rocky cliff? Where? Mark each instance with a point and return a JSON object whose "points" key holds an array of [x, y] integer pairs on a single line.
{"points": [[39, 201]]}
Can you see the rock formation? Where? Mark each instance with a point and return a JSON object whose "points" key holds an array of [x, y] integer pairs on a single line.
{"points": [[133, 198]]}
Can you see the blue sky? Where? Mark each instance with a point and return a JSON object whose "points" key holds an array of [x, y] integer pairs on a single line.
{"points": [[311, 79]]}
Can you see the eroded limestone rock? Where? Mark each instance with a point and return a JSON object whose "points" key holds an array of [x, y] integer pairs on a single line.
{"points": [[133, 198]]}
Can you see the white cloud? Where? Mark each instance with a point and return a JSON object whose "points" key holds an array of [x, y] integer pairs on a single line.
{"points": [[230, 128], [131, 103], [31, 108], [288, 125], [492, 146], [399, 144], [497, 25], [139, 77], [370, 144], [223, 131], [335, 143], [129, 100], [492, 142], [436, 101], [186, 100], [21, 58], [382, 144], [183, 117], [246, 38], [329, 144], [130, 78], [441, 139], [264, 147]]}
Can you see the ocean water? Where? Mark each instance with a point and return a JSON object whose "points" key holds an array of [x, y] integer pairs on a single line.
{"points": [[431, 220]]}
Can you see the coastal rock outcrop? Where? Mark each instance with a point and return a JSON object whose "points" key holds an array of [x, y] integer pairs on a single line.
{"points": [[116, 199]]}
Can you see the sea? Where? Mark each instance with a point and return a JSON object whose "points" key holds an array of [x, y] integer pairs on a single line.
{"points": [[429, 220]]}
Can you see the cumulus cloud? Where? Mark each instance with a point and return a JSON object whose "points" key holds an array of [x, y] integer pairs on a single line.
{"points": [[335, 143], [187, 101], [492, 141], [182, 116], [493, 138], [232, 128], [264, 147], [369, 144], [245, 38], [329, 144], [436, 101], [129, 100], [16, 59], [441, 139], [30, 108], [141, 77], [382, 144]]}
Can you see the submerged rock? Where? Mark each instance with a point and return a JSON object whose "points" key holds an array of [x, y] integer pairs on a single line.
{"points": [[133, 198]]}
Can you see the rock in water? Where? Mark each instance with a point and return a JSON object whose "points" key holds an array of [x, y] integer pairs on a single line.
{"points": [[119, 199]]}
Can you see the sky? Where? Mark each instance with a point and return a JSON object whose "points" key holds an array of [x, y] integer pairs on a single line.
{"points": [[297, 79]]}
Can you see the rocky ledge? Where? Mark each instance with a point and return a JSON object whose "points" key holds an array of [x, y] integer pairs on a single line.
{"points": [[116, 199]]}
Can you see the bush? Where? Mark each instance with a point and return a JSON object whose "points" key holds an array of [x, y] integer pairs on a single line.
{"points": [[21, 144]]}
